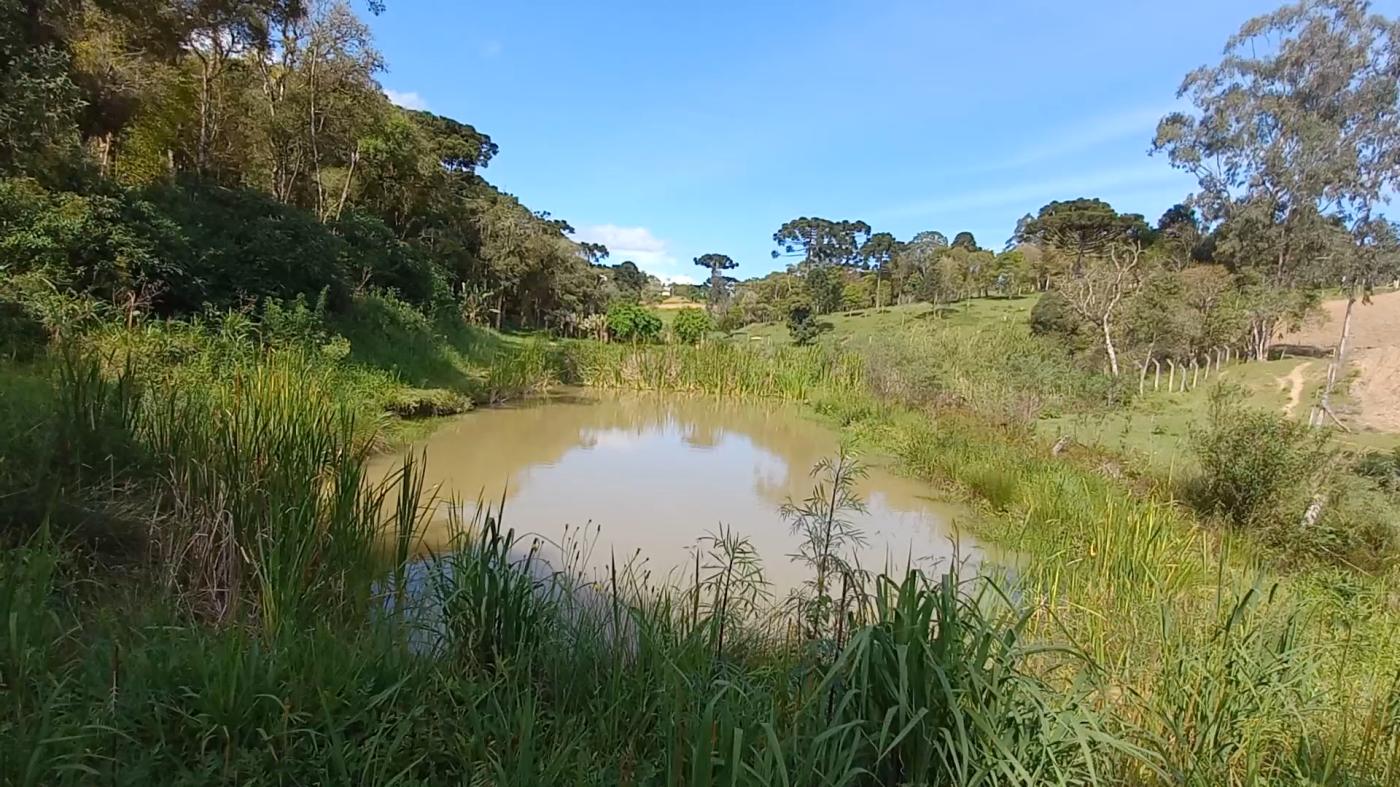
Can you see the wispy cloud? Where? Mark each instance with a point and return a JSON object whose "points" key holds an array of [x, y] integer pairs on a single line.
{"points": [[637, 244], [1083, 137], [1031, 194], [407, 100]]}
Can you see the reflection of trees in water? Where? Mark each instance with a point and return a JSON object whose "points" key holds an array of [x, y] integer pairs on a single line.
{"points": [[488, 450]]}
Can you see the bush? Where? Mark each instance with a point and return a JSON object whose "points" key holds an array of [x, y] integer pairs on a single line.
{"points": [[804, 326], [1281, 478], [691, 325], [1052, 316], [1381, 467], [1258, 468], [239, 245], [628, 322], [376, 258], [107, 246]]}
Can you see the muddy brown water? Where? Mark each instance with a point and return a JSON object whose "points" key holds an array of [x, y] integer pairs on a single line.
{"points": [[644, 477]]}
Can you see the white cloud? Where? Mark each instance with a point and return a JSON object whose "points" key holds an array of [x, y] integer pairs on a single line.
{"points": [[631, 243], [1032, 193], [678, 278], [407, 100]]}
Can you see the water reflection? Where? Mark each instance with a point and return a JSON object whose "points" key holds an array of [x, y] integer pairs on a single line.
{"points": [[654, 473]]}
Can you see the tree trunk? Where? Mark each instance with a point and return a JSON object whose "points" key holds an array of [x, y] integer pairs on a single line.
{"points": [[1338, 359], [1108, 346]]}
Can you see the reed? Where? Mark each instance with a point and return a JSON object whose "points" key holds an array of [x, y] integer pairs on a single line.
{"points": [[722, 369]]}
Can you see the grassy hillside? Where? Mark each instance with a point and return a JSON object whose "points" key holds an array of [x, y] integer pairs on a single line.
{"points": [[1154, 427]]}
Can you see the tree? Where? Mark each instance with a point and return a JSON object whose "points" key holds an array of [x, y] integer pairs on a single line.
{"points": [[629, 278], [1081, 227], [1179, 239], [824, 288], [1374, 259], [929, 239], [1294, 132], [39, 102], [803, 325], [717, 264], [965, 240], [878, 251], [1098, 292], [822, 241], [691, 325]]}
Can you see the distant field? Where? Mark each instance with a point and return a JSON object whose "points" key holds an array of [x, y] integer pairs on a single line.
{"points": [[868, 324], [1157, 426], [670, 307]]}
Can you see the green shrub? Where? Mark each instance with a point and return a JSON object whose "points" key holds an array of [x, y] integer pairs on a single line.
{"points": [[803, 325], [375, 257], [629, 322], [1381, 467], [1257, 466], [691, 325]]}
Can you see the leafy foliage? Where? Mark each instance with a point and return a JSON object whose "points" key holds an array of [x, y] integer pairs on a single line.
{"points": [[803, 325], [691, 325], [630, 322]]}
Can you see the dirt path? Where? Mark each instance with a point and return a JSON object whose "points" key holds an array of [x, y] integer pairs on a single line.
{"points": [[1374, 357], [1294, 381]]}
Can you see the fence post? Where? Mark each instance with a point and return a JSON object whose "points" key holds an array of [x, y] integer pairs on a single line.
{"points": [[1171, 376], [1157, 381], [1195, 373]]}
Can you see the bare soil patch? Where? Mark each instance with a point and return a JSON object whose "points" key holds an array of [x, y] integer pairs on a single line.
{"points": [[1374, 355]]}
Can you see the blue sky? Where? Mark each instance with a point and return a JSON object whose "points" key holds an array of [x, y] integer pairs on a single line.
{"points": [[668, 130]]}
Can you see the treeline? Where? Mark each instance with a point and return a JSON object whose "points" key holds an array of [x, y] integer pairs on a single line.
{"points": [[1294, 138], [165, 157], [843, 265]]}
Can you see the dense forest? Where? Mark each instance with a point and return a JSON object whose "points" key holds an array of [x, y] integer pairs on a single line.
{"points": [[168, 158]]}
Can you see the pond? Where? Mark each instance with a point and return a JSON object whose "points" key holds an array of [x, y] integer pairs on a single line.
{"points": [[644, 477]]}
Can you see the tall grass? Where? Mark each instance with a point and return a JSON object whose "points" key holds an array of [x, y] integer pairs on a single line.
{"points": [[1130, 644], [1205, 655], [722, 369]]}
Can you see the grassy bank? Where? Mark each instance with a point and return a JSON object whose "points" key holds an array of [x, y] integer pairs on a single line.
{"points": [[1203, 651], [254, 626]]}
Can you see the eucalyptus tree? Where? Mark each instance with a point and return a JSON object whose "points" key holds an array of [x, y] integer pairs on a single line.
{"points": [[1294, 135], [1180, 239]]}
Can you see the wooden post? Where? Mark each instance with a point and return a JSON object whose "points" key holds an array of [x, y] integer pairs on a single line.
{"points": [[1157, 381], [1195, 373], [1171, 375]]}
